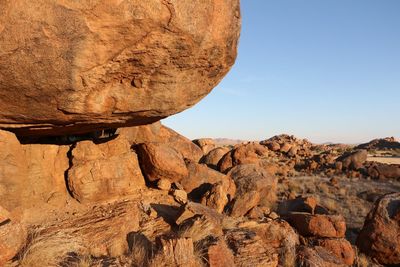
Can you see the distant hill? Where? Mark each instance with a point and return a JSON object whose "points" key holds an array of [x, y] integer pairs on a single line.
{"points": [[388, 143]]}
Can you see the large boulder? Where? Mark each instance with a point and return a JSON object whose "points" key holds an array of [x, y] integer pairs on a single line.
{"points": [[160, 161], [353, 160], [254, 187], [105, 171], [214, 156], [76, 66], [380, 236]]}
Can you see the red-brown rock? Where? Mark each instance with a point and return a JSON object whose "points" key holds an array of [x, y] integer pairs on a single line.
{"points": [[212, 158], [158, 133], [318, 225], [12, 236], [160, 161], [105, 171], [122, 63], [254, 186], [201, 178], [243, 154], [341, 248], [380, 236]]}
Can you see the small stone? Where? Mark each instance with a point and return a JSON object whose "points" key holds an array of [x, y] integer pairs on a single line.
{"points": [[164, 184], [180, 196]]}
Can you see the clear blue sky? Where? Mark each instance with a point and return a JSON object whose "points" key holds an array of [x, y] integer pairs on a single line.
{"points": [[326, 70]]}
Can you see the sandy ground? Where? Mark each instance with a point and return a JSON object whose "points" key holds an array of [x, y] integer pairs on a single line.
{"points": [[387, 160]]}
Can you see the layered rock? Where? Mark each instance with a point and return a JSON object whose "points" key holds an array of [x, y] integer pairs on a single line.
{"points": [[88, 65]]}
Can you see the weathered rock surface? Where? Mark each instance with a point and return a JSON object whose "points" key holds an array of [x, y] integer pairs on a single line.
{"points": [[267, 244], [254, 186], [12, 236], [201, 178], [31, 175], [104, 171], [318, 225], [75, 66], [341, 248], [158, 133], [317, 257], [380, 236], [159, 161]]}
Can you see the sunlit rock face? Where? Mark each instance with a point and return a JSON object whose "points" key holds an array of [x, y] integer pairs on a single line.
{"points": [[77, 66]]}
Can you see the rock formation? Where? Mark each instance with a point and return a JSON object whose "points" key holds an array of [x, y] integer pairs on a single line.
{"points": [[78, 66]]}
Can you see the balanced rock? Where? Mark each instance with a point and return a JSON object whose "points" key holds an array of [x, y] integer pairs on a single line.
{"points": [[87, 65]]}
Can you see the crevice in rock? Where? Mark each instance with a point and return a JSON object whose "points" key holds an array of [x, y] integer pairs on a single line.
{"points": [[70, 165]]}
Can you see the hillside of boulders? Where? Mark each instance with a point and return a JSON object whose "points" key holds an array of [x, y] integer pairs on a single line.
{"points": [[90, 177], [148, 196]]}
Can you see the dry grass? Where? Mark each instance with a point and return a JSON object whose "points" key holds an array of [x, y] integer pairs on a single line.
{"points": [[49, 249]]}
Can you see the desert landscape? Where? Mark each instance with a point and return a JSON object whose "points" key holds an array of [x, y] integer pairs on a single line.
{"points": [[90, 176]]}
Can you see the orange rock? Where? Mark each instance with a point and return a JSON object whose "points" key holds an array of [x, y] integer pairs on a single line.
{"points": [[318, 225], [380, 236], [123, 63], [341, 248], [212, 158], [242, 154], [158, 133], [105, 171], [201, 178], [219, 255], [13, 236], [160, 161]]}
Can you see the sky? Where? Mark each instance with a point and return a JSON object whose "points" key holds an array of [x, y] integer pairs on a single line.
{"points": [[328, 71]]}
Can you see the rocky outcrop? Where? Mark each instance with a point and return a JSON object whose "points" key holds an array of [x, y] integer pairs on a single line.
{"points": [[380, 236], [77, 66]]}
